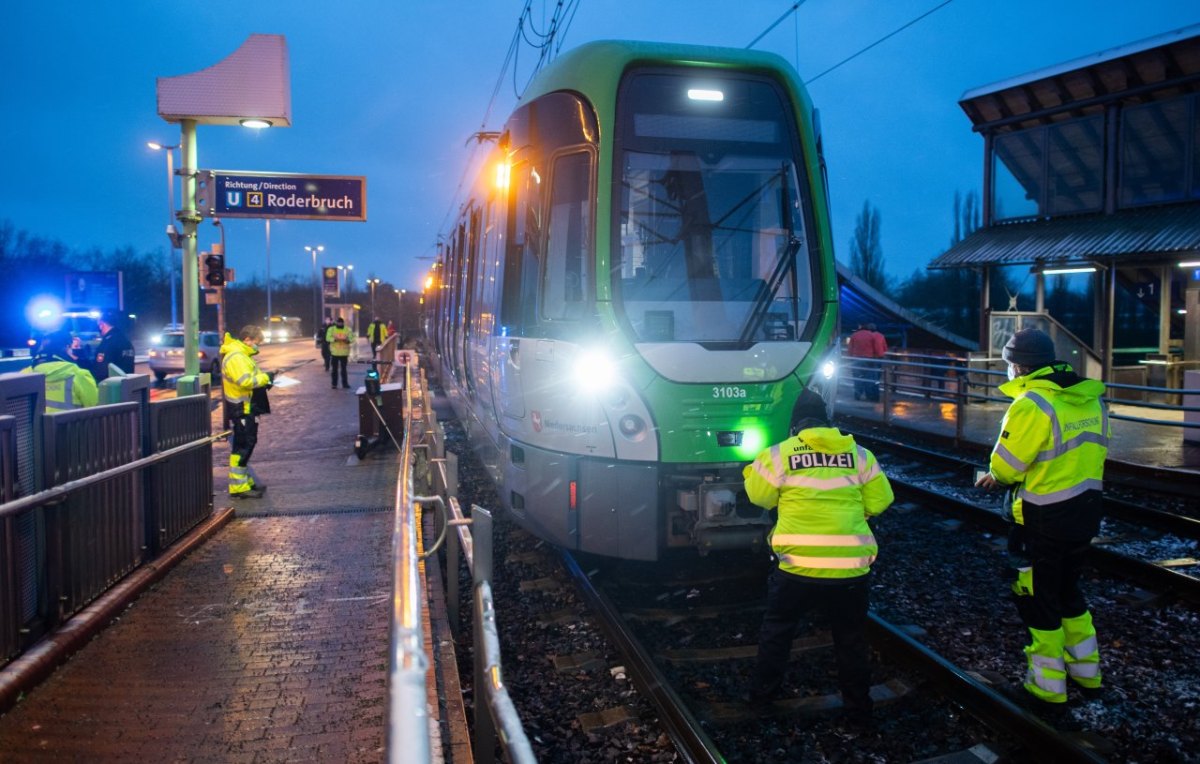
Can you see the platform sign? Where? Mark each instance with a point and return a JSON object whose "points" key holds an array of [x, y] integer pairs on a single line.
{"points": [[329, 282], [284, 196]]}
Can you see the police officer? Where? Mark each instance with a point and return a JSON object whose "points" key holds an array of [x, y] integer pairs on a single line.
{"points": [[1050, 455], [67, 385], [244, 385], [115, 347], [825, 487], [340, 338]]}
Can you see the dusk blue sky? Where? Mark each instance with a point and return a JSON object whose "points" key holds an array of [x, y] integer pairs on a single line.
{"points": [[393, 90]]}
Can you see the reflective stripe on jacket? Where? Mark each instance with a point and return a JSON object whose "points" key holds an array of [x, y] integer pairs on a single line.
{"points": [[67, 385], [825, 486], [1053, 440], [240, 374]]}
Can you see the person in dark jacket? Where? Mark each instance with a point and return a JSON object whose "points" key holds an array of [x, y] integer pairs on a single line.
{"points": [[115, 347], [323, 342]]}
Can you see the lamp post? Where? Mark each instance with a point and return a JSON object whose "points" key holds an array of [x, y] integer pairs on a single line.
{"points": [[174, 239], [347, 269], [316, 284], [373, 283]]}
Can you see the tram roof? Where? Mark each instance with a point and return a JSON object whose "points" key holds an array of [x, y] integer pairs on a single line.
{"points": [[605, 60]]}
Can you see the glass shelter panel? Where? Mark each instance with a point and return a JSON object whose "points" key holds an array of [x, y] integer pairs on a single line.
{"points": [[1154, 151], [1017, 162], [1075, 166]]}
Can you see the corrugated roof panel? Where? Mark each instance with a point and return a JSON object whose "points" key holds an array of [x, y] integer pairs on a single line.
{"points": [[1153, 233]]}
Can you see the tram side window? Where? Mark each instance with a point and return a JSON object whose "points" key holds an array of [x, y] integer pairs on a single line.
{"points": [[566, 287], [518, 310]]}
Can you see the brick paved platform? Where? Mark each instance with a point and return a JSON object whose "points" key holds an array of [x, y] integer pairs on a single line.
{"points": [[268, 642]]}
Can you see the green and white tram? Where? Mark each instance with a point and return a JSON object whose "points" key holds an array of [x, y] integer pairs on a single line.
{"points": [[638, 287]]}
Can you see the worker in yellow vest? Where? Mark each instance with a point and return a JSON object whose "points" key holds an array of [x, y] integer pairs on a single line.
{"points": [[1050, 455], [825, 487], [341, 339], [244, 385], [68, 386]]}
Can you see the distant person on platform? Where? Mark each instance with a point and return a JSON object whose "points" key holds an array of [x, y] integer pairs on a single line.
{"points": [[115, 347], [68, 386], [391, 329], [323, 341], [864, 346], [245, 387], [376, 334], [340, 338]]}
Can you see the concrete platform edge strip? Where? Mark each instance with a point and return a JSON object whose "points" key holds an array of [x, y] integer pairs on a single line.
{"points": [[39, 662]]}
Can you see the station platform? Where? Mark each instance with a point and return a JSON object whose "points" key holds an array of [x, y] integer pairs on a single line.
{"points": [[269, 640], [1137, 443]]}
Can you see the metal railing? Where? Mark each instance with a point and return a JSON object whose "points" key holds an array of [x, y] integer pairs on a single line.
{"points": [[963, 381], [99, 517], [496, 717]]}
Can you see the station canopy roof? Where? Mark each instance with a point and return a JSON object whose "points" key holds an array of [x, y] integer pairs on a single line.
{"points": [[1150, 235]]}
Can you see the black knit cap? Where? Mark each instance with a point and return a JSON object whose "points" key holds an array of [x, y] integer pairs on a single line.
{"points": [[1030, 348], [809, 406]]}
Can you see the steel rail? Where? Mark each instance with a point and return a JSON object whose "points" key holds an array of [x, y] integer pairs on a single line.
{"points": [[61, 491], [1144, 573], [993, 709], [1135, 514], [690, 739]]}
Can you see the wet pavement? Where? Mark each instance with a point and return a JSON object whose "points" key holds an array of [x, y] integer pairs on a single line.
{"points": [[267, 643]]}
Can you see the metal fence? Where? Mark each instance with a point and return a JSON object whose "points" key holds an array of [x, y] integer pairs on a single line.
{"points": [[90, 494], [424, 460], [960, 382]]}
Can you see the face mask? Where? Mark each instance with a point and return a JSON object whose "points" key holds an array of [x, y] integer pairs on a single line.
{"points": [[1012, 372]]}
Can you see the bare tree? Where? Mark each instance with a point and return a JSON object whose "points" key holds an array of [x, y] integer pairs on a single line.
{"points": [[866, 253]]}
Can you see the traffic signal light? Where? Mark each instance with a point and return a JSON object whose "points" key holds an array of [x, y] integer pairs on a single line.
{"points": [[214, 270]]}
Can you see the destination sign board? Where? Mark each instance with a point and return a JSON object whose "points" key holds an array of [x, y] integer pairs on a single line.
{"points": [[280, 195]]}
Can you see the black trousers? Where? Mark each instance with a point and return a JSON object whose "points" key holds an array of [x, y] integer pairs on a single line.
{"points": [[245, 438], [325, 356], [844, 603], [336, 362], [1056, 565], [374, 349]]}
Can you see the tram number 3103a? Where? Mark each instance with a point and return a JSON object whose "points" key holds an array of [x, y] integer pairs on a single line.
{"points": [[728, 391]]}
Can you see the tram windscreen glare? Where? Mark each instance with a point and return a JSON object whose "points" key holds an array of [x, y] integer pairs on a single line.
{"points": [[711, 243]]}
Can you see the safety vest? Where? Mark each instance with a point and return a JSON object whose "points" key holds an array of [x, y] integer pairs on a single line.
{"points": [[1053, 440], [240, 374], [339, 339], [67, 386], [825, 486]]}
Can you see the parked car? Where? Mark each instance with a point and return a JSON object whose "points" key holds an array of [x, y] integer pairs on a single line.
{"points": [[166, 354]]}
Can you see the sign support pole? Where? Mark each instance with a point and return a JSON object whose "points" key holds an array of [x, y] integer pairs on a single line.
{"points": [[190, 218]]}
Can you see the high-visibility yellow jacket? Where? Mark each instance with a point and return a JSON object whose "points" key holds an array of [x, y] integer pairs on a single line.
{"points": [[240, 375], [825, 487], [340, 339], [67, 385], [1052, 445], [377, 332]]}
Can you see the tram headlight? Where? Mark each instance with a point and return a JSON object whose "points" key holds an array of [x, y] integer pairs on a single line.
{"points": [[828, 369], [595, 371]]}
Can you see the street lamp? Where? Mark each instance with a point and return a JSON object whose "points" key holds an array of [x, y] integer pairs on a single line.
{"points": [[372, 282], [252, 83], [170, 151], [316, 284], [347, 269]]}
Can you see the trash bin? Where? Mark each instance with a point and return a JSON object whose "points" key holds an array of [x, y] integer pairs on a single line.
{"points": [[388, 403]]}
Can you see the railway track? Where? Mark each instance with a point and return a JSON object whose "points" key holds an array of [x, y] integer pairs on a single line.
{"points": [[688, 719]]}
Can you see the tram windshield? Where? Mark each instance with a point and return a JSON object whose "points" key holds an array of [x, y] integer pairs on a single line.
{"points": [[709, 220]]}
